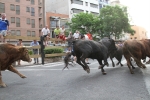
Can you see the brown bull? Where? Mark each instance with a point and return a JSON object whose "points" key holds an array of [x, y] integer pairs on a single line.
{"points": [[137, 50], [8, 54]]}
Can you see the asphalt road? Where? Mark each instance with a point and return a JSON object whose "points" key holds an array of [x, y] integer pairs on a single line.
{"points": [[49, 82]]}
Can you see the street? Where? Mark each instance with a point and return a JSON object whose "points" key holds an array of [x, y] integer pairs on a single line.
{"points": [[49, 82]]}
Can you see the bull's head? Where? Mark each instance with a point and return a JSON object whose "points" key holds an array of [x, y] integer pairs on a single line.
{"points": [[24, 55]]}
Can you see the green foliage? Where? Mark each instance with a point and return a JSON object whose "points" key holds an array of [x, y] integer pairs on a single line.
{"points": [[84, 22], [30, 52], [114, 20], [53, 50]]}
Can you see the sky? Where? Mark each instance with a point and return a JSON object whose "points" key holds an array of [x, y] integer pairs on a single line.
{"points": [[139, 11]]}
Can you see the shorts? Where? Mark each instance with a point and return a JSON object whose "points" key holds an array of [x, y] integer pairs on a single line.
{"points": [[3, 32], [62, 37], [73, 53]]}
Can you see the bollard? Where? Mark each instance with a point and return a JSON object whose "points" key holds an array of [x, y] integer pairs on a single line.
{"points": [[42, 49]]}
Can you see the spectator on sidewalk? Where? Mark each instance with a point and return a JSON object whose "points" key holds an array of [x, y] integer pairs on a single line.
{"points": [[46, 34], [62, 34], [19, 43], [35, 51], [4, 27]]}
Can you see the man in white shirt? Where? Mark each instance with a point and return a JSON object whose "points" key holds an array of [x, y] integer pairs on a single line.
{"points": [[76, 35], [46, 33]]}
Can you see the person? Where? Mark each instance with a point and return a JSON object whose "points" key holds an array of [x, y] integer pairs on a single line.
{"points": [[35, 51], [57, 33], [4, 27], [19, 43], [76, 35], [89, 36], [70, 39], [46, 34], [62, 34]]}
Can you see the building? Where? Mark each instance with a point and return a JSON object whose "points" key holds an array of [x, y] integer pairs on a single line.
{"points": [[25, 16], [71, 7], [140, 33], [56, 19], [103, 3]]}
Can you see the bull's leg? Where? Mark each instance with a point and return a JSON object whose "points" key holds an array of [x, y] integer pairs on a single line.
{"points": [[102, 67], [2, 84], [111, 58], [138, 62], [12, 69], [129, 65], [83, 61], [79, 62]]}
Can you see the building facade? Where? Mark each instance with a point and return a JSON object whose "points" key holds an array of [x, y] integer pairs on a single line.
{"points": [[26, 17], [140, 33], [71, 7], [103, 3]]}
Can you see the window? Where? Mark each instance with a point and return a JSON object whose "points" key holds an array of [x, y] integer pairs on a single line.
{"points": [[77, 2], [32, 23], [18, 32], [17, 0], [33, 33], [32, 11], [13, 32], [12, 7], [77, 10], [86, 3], [28, 33], [28, 20], [27, 9], [12, 19], [2, 7], [32, 1], [100, 6], [93, 5], [17, 9], [17, 22]]}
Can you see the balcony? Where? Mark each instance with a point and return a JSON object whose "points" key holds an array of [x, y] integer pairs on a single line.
{"points": [[40, 15]]}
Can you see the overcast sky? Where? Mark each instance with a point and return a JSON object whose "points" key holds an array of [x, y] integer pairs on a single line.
{"points": [[140, 12]]}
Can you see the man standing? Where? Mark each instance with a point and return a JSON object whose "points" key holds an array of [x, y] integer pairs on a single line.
{"points": [[46, 34], [35, 51], [76, 35], [57, 33], [62, 34], [4, 27]]}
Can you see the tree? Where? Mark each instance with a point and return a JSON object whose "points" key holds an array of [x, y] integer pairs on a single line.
{"points": [[84, 22], [114, 21]]}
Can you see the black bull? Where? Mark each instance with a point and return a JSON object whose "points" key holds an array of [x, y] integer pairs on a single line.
{"points": [[95, 50]]}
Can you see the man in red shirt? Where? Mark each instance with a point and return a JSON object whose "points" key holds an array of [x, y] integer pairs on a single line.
{"points": [[89, 35]]}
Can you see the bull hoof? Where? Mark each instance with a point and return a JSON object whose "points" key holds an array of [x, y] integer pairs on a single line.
{"points": [[104, 73], [99, 67], [132, 72], [3, 85], [88, 71], [23, 76]]}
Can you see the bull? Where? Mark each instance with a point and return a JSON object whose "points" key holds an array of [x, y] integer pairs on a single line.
{"points": [[118, 55], [10, 53], [95, 50], [137, 50]]}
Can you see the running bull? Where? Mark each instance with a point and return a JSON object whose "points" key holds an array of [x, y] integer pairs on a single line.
{"points": [[8, 54]]}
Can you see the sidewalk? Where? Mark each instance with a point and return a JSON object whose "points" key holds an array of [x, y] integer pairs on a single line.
{"points": [[23, 63]]}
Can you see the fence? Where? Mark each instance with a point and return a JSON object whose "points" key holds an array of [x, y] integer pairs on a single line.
{"points": [[40, 47]]}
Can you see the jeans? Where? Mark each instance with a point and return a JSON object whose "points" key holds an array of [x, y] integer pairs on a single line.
{"points": [[35, 51]]}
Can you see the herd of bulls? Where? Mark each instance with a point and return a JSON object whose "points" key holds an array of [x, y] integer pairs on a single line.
{"points": [[136, 50], [83, 49]]}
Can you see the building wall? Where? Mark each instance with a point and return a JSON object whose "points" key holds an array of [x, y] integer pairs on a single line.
{"points": [[57, 6], [24, 27], [59, 17], [140, 33]]}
